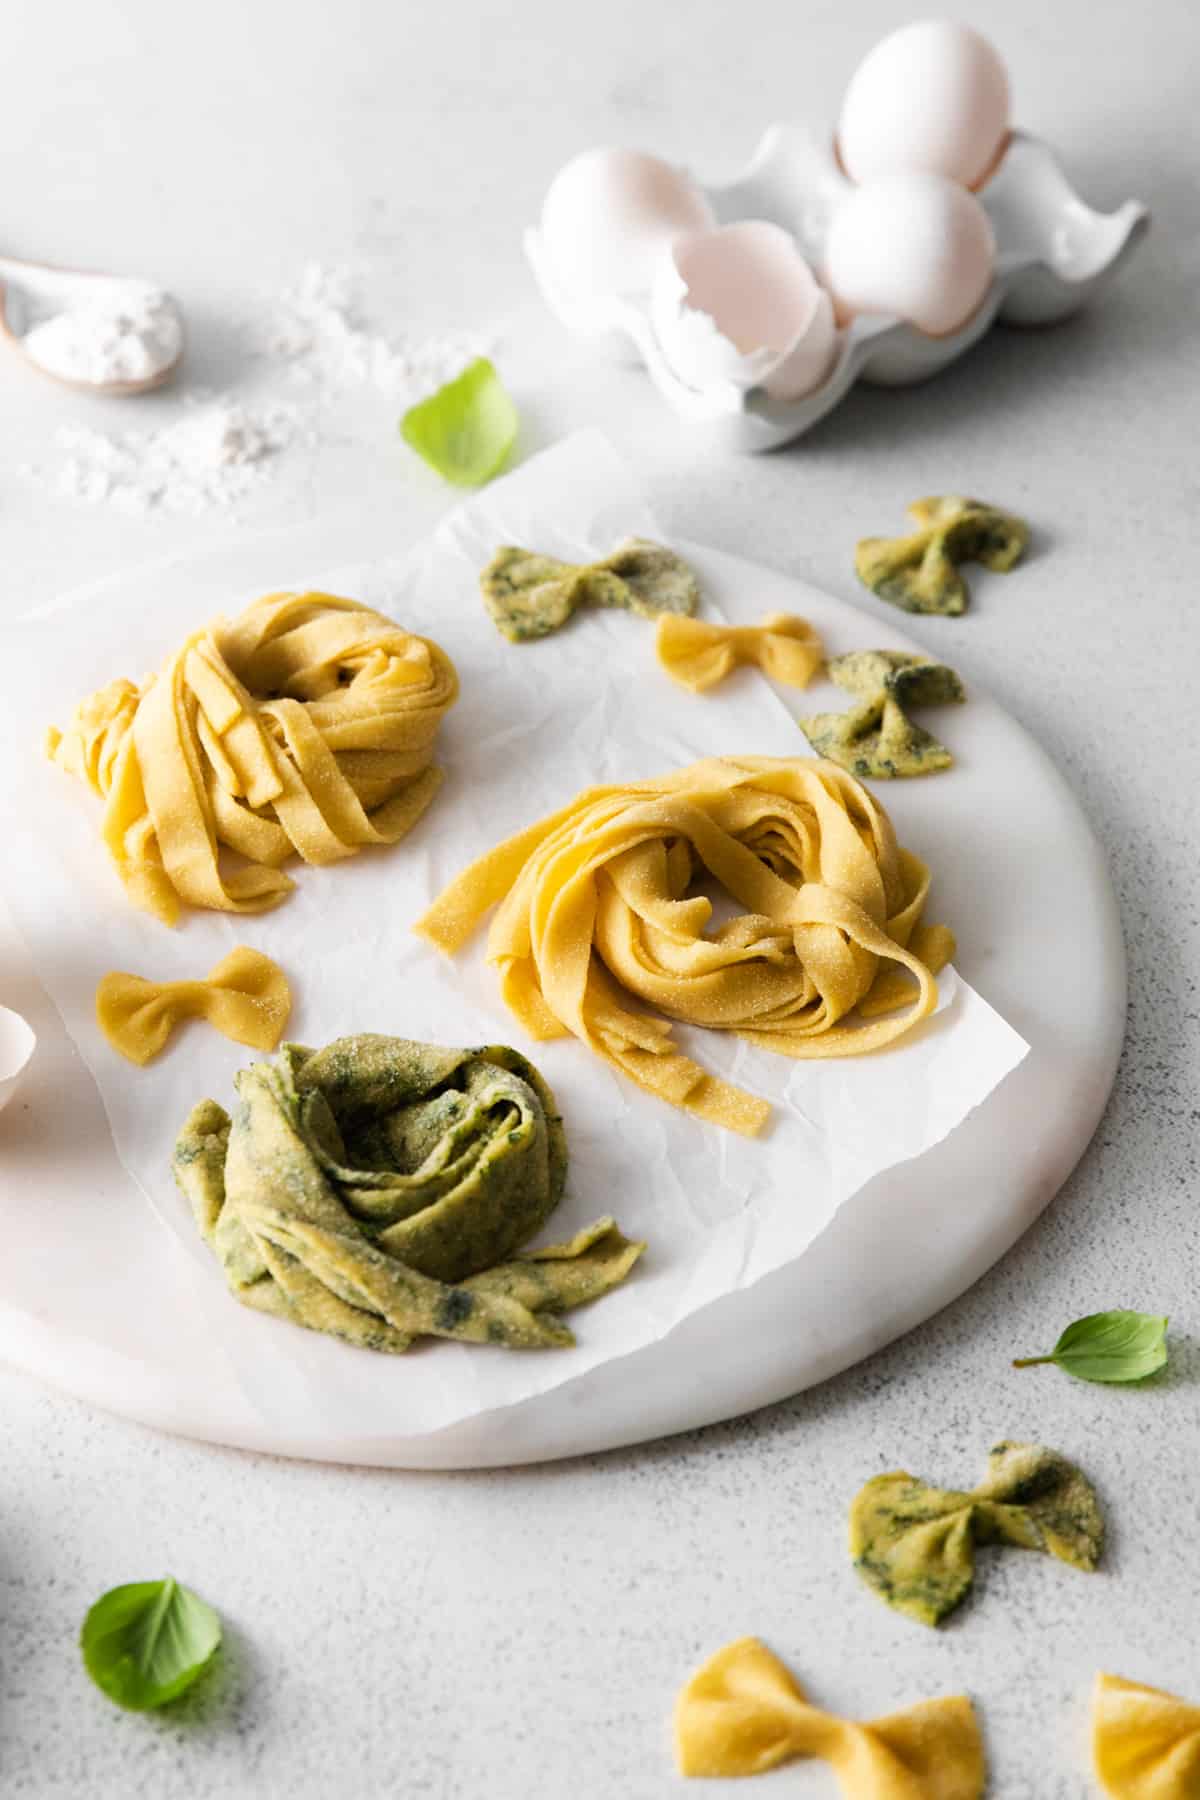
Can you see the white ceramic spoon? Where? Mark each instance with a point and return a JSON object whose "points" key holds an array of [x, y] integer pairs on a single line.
{"points": [[33, 292]]}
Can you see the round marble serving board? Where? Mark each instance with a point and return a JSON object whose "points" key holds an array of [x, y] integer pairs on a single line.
{"points": [[1018, 873]]}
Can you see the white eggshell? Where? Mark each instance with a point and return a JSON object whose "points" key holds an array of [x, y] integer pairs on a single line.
{"points": [[914, 245], [933, 96], [608, 216], [17, 1043], [739, 304]]}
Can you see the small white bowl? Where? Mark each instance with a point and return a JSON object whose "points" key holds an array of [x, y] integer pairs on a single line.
{"points": [[17, 1043]]}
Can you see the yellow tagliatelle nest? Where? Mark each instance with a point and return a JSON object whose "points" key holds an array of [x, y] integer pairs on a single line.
{"points": [[744, 1713], [304, 726], [599, 909]]}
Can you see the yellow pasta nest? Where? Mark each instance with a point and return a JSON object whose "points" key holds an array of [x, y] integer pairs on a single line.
{"points": [[599, 907], [304, 726]]}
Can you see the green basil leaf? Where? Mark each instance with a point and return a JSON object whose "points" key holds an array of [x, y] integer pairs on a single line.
{"points": [[1109, 1346], [466, 430], [147, 1642]]}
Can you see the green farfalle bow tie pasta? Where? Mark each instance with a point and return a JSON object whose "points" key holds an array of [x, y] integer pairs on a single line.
{"points": [[877, 738], [919, 573], [380, 1190], [915, 1544], [529, 595]]}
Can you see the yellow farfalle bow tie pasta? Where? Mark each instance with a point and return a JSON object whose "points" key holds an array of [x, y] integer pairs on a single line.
{"points": [[744, 1713], [305, 727], [699, 655], [1146, 1744], [245, 996], [600, 907]]}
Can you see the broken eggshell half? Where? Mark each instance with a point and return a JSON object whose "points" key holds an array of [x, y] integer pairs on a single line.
{"points": [[739, 305]]}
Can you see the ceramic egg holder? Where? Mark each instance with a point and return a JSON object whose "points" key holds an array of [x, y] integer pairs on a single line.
{"points": [[1053, 252]]}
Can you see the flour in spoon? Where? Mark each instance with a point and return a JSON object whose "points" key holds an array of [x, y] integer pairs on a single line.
{"points": [[123, 332]]}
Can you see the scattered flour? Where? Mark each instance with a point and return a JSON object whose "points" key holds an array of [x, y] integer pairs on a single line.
{"points": [[318, 327], [213, 457], [123, 331], [313, 341]]}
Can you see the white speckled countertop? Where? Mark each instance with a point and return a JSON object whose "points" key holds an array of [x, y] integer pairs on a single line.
{"points": [[522, 1635]]}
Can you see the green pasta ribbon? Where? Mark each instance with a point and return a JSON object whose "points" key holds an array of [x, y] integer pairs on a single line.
{"points": [[915, 1544], [877, 738], [919, 572], [529, 596], [379, 1190]]}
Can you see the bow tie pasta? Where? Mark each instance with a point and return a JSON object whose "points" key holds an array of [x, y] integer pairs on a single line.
{"points": [[915, 1544], [919, 573], [245, 996], [699, 655], [744, 1713], [529, 596], [1146, 1744], [877, 739]]}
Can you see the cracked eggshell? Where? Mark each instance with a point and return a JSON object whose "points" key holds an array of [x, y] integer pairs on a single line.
{"points": [[608, 215], [934, 96], [913, 245], [740, 305], [17, 1043]]}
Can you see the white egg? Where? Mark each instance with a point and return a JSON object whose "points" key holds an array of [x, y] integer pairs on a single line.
{"points": [[933, 96], [739, 304], [609, 214], [912, 244]]}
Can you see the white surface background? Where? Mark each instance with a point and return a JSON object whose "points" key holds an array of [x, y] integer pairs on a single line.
{"points": [[525, 1633]]}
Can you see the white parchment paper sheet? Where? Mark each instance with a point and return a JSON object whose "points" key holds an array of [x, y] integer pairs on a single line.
{"points": [[535, 723]]}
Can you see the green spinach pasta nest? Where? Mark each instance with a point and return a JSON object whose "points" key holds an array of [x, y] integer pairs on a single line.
{"points": [[380, 1190]]}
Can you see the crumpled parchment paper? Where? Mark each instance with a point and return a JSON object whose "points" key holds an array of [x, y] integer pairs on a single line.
{"points": [[535, 723]]}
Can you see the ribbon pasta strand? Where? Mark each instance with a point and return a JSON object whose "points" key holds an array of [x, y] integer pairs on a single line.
{"points": [[245, 996], [699, 655], [303, 727], [744, 1713], [598, 909]]}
